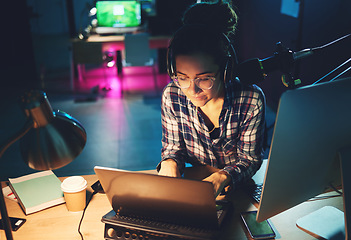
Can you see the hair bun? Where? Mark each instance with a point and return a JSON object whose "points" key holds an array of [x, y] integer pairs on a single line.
{"points": [[219, 16]]}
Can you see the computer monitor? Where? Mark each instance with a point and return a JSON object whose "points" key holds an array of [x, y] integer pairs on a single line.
{"points": [[118, 16], [313, 124], [118, 13]]}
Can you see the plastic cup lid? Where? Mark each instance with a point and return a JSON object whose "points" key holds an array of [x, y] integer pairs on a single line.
{"points": [[73, 184]]}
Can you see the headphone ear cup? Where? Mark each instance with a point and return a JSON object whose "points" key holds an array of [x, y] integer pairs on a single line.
{"points": [[232, 62], [234, 59], [228, 69], [170, 62], [225, 72]]}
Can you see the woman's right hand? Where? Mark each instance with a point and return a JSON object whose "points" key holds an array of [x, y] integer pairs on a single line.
{"points": [[169, 168]]}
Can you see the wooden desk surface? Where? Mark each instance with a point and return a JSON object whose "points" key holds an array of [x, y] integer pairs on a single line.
{"points": [[57, 223]]}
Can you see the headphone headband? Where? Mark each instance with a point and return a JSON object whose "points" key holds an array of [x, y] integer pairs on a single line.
{"points": [[231, 62]]}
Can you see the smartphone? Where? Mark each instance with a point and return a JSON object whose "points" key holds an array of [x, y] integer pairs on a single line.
{"points": [[16, 223], [262, 230]]}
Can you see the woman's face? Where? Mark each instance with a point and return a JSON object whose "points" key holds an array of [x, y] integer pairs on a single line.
{"points": [[198, 66]]}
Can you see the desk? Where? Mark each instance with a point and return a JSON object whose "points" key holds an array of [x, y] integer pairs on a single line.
{"points": [[117, 41], [90, 51], [57, 223]]}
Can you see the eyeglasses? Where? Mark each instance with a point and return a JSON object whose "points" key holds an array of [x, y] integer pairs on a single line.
{"points": [[205, 83]]}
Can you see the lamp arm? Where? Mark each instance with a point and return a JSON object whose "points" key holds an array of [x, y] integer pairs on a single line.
{"points": [[28, 125], [5, 218]]}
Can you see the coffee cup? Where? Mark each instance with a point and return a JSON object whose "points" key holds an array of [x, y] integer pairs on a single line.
{"points": [[74, 190]]}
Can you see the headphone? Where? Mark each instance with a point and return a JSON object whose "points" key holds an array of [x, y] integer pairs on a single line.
{"points": [[230, 65]]}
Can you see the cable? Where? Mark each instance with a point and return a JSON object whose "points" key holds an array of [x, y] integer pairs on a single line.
{"points": [[85, 208], [328, 44], [339, 194], [340, 74], [322, 197], [335, 189]]}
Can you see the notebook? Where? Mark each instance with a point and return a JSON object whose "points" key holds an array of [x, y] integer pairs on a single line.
{"points": [[172, 206]]}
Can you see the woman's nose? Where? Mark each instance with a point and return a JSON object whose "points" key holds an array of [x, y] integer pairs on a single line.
{"points": [[193, 88]]}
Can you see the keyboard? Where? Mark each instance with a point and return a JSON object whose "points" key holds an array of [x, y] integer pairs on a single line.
{"points": [[171, 230], [255, 191], [254, 187]]}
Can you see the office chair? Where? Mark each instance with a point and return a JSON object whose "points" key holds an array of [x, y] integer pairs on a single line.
{"points": [[138, 53]]}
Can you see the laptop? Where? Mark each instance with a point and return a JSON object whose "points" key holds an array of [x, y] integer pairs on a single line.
{"points": [[170, 206]]}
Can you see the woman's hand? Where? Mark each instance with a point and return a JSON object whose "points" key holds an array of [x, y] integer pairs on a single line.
{"points": [[219, 180], [169, 168]]}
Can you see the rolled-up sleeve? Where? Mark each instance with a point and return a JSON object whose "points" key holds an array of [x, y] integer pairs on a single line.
{"points": [[172, 140]]}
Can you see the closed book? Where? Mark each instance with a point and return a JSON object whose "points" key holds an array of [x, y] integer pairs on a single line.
{"points": [[37, 191]]}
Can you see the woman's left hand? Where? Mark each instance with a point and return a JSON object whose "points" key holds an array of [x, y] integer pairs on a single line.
{"points": [[219, 180]]}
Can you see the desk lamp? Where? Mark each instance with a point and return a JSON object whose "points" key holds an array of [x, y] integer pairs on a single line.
{"points": [[49, 140]]}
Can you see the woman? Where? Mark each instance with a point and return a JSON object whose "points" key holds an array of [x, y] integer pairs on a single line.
{"points": [[208, 117]]}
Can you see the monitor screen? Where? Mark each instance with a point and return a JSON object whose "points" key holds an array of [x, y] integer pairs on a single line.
{"points": [[312, 125], [118, 13]]}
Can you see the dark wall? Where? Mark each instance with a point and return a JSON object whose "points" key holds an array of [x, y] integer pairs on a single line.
{"points": [[17, 56], [261, 26], [169, 14]]}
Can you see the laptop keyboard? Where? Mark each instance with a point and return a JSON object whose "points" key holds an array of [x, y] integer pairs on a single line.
{"points": [[256, 192]]}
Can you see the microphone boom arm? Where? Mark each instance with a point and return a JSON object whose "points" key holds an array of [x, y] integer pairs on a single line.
{"points": [[255, 70]]}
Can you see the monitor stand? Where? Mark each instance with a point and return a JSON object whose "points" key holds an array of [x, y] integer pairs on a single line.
{"points": [[329, 222]]}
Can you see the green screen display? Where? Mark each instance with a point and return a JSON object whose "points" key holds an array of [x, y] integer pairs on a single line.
{"points": [[118, 13]]}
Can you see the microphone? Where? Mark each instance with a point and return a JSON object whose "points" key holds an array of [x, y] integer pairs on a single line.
{"points": [[255, 70]]}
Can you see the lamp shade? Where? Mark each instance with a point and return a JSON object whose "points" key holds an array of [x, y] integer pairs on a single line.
{"points": [[55, 139]]}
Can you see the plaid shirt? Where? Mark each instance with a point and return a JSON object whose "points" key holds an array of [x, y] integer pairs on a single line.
{"points": [[238, 150]]}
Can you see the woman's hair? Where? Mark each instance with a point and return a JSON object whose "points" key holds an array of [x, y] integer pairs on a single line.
{"points": [[203, 30], [219, 16]]}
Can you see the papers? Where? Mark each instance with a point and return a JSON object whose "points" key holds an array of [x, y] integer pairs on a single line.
{"points": [[290, 8], [7, 192]]}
